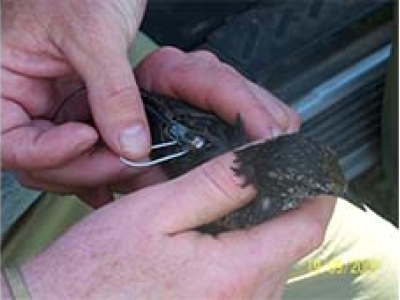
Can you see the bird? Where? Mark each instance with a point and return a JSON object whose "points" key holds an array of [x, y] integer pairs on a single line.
{"points": [[284, 171]]}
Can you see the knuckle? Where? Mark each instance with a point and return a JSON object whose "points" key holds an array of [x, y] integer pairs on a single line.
{"points": [[224, 69], [115, 93], [225, 79], [161, 60], [219, 73], [184, 69], [230, 69], [119, 105], [166, 51], [206, 55]]}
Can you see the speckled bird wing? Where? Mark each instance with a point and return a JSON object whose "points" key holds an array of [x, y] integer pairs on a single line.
{"points": [[284, 172]]}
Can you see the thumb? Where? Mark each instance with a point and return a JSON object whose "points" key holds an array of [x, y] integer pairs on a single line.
{"points": [[203, 195], [115, 101]]}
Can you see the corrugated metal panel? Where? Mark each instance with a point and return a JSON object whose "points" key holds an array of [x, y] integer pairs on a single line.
{"points": [[345, 112]]}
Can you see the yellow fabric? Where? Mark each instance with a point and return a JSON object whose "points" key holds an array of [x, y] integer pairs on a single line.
{"points": [[358, 260]]}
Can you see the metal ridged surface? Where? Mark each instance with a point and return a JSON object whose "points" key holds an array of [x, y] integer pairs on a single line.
{"points": [[345, 112], [357, 116]]}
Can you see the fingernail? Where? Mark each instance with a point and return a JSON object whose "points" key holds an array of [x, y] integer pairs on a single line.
{"points": [[276, 131], [135, 141]]}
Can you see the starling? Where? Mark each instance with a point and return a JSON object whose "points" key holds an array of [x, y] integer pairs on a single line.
{"points": [[284, 171]]}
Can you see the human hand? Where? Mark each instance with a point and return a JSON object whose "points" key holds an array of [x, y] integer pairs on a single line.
{"points": [[48, 48], [144, 246], [197, 77]]}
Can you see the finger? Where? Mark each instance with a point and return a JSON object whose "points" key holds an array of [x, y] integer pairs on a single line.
{"points": [[288, 119], [99, 168], [283, 239], [95, 196], [206, 55], [93, 168], [114, 100], [200, 196], [210, 86], [29, 182], [35, 95], [40, 144]]}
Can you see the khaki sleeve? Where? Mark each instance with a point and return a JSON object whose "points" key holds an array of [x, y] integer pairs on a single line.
{"points": [[358, 260]]}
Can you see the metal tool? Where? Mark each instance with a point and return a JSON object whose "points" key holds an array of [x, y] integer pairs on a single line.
{"points": [[156, 161], [195, 143]]}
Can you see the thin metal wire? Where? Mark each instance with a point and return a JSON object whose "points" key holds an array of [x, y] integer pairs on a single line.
{"points": [[149, 163], [164, 145]]}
